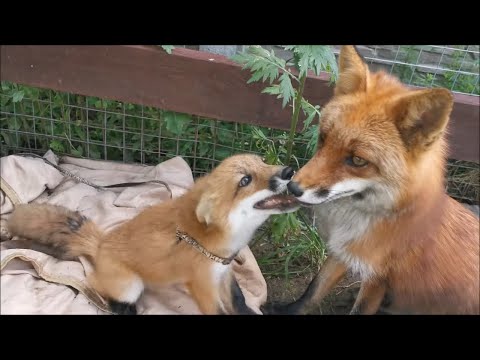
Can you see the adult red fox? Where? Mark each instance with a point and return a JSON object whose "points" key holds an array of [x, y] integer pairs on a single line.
{"points": [[377, 185]]}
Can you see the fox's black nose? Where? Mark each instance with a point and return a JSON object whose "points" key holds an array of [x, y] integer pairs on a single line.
{"points": [[287, 173], [294, 188]]}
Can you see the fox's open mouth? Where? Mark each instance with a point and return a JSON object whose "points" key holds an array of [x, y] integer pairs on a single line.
{"points": [[279, 201]]}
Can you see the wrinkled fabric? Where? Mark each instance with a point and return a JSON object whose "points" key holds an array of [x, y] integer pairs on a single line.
{"points": [[33, 282]]}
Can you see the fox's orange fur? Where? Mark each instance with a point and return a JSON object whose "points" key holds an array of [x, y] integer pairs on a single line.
{"points": [[217, 212], [377, 185]]}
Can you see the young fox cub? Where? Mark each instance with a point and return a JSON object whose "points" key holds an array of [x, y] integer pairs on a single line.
{"points": [[189, 240], [377, 185]]}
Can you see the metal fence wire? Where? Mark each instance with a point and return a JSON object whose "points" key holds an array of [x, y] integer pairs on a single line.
{"points": [[111, 130], [35, 120], [455, 67]]}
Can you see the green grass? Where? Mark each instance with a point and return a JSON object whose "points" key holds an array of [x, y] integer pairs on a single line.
{"points": [[299, 252]]}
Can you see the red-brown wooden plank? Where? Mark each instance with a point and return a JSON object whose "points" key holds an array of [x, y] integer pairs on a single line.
{"points": [[187, 81]]}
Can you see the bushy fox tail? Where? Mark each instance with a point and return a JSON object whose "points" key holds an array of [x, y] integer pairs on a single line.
{"points": [[68, 234]]}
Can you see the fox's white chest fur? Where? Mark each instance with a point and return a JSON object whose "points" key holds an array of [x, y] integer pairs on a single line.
{"points": [[218, 272], [339, 223]]}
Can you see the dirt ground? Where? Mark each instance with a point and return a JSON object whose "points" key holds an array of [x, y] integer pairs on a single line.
{"points": [[338, 302]]}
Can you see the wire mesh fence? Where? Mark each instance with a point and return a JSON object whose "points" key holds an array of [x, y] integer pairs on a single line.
{"points": [[455, 67], [90, 127]]}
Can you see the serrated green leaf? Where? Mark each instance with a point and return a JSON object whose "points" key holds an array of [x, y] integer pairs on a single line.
{"points": [[286, 89], [14, 124], [221, 153], [7, 138], [249, 64], [57, 146], [18, 96], [168, 48], [265, 75], [309, 119], [175, 122], [80, 132], [255, 77], [314, 57], [259, 51], [303, 64], [257, 65], [324, 59], [238, 57], [273, 90], [77, 152], [312, 143], [258, 133], [136, 145], [5, 87], [273, 75]]}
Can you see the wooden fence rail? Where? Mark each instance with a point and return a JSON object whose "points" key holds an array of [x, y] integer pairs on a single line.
{"points": [[188, 81]]}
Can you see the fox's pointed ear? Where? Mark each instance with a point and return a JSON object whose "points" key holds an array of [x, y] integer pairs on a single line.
{"points": [[422, 115], [352, 71], [204, 209]]}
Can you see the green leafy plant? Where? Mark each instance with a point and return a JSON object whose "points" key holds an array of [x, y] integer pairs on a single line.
{"points": [[286, 80], [168, 48], [265, 65]]}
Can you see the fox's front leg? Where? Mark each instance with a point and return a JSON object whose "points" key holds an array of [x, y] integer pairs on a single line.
{"points": [[205, 294], [330, 274], [369, 297]]}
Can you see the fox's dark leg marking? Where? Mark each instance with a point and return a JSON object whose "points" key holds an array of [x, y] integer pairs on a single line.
{"points": [[75, 224], [330, 274], [122, 308], [385, 304], [239, 304], [387, 300]]}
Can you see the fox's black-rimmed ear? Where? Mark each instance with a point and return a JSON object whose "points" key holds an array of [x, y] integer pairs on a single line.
{"points": [[421, 116], [204, 209], [352, 71]]}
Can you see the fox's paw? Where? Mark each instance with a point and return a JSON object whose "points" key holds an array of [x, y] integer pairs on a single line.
{"points": [[121, 308], [275, 308]]}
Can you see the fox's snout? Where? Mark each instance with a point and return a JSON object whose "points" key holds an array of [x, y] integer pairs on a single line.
{"points": [[278, 180], [295, 188], [287, 173]]}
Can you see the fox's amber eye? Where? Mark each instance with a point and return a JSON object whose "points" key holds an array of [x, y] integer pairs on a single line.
{"points": [[356, 161], [245, 181]]}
